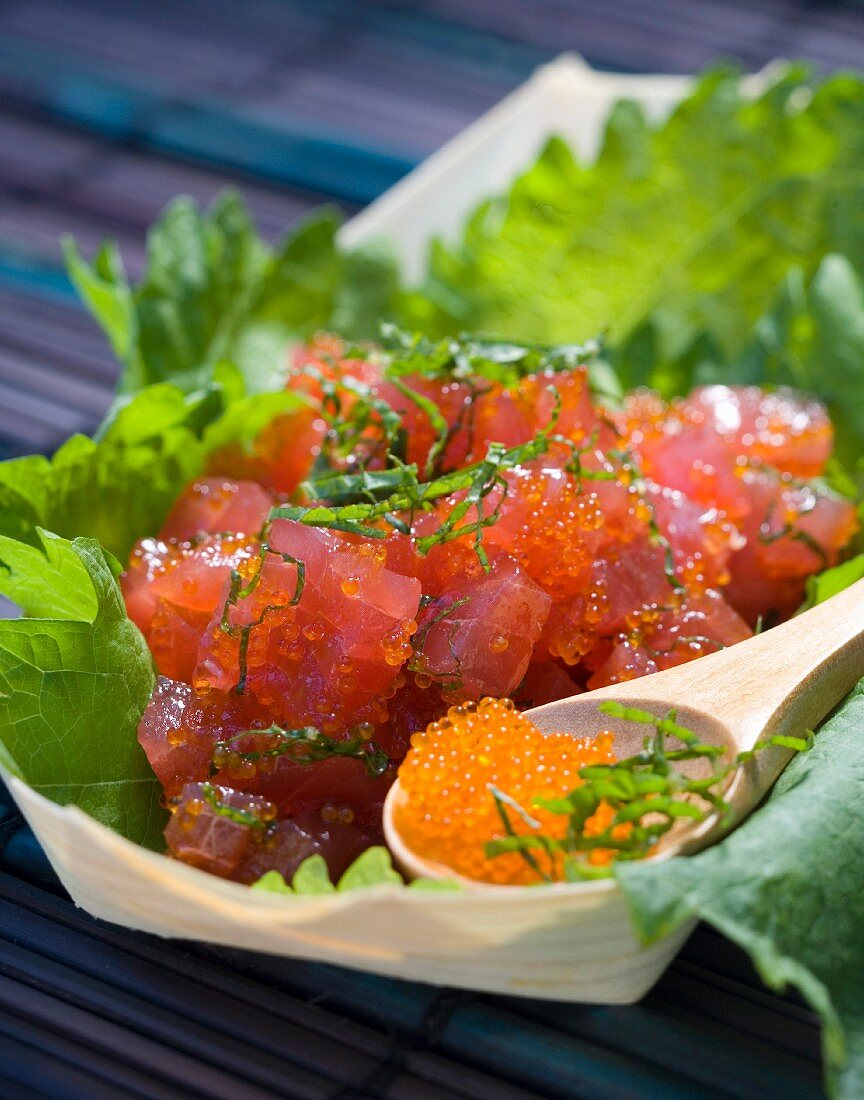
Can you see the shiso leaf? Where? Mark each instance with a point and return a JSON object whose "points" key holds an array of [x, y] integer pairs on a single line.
{"points": [[49, 583], [693, 222], [103, 289], [214, 290], [116, 489], [72, 689], [796, 907], [23, 497], [244, 416]]}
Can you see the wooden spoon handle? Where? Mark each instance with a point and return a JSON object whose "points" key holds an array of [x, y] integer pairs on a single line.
{"points": [[785, 680]]}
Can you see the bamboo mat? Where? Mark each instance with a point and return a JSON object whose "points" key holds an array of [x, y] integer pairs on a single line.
{"points": [[107, 110]]}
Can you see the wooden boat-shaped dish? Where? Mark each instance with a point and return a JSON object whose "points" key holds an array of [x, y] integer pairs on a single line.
{"points": [[567, 942], [571, 941]]}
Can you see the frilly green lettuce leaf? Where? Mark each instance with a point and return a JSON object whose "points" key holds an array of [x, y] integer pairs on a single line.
{"points": [[272, 882], [724, 245], [692, 223], [119, 486], [312, 877], [371, 868]]}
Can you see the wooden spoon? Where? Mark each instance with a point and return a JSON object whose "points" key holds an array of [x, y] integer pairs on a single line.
{"points": [[782, 682]]}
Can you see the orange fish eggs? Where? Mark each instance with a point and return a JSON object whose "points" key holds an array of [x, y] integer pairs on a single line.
{"points": [[351, 586], [449, 813], [396, 645]]}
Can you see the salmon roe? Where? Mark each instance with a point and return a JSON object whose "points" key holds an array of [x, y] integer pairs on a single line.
{"points": [[449, 813]]}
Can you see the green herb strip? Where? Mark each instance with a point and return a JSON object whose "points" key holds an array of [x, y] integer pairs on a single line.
{"points": [[238, 591], [647, 783], [241, 817], [408, 494], [305, 745]]}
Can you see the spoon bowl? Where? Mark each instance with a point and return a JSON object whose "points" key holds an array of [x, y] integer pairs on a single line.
{"points": [[780, 683]]}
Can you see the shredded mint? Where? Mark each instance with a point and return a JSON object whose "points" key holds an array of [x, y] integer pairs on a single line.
{"points": [[241, 589], [361, 424], [213, 798], [466, 358]]}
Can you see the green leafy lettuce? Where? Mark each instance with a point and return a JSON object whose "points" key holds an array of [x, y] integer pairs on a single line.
{"points": [[114, 489], [796, 906], [694, 222], [214, 291], [75, 673], [374, 867], [119, 487]]}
